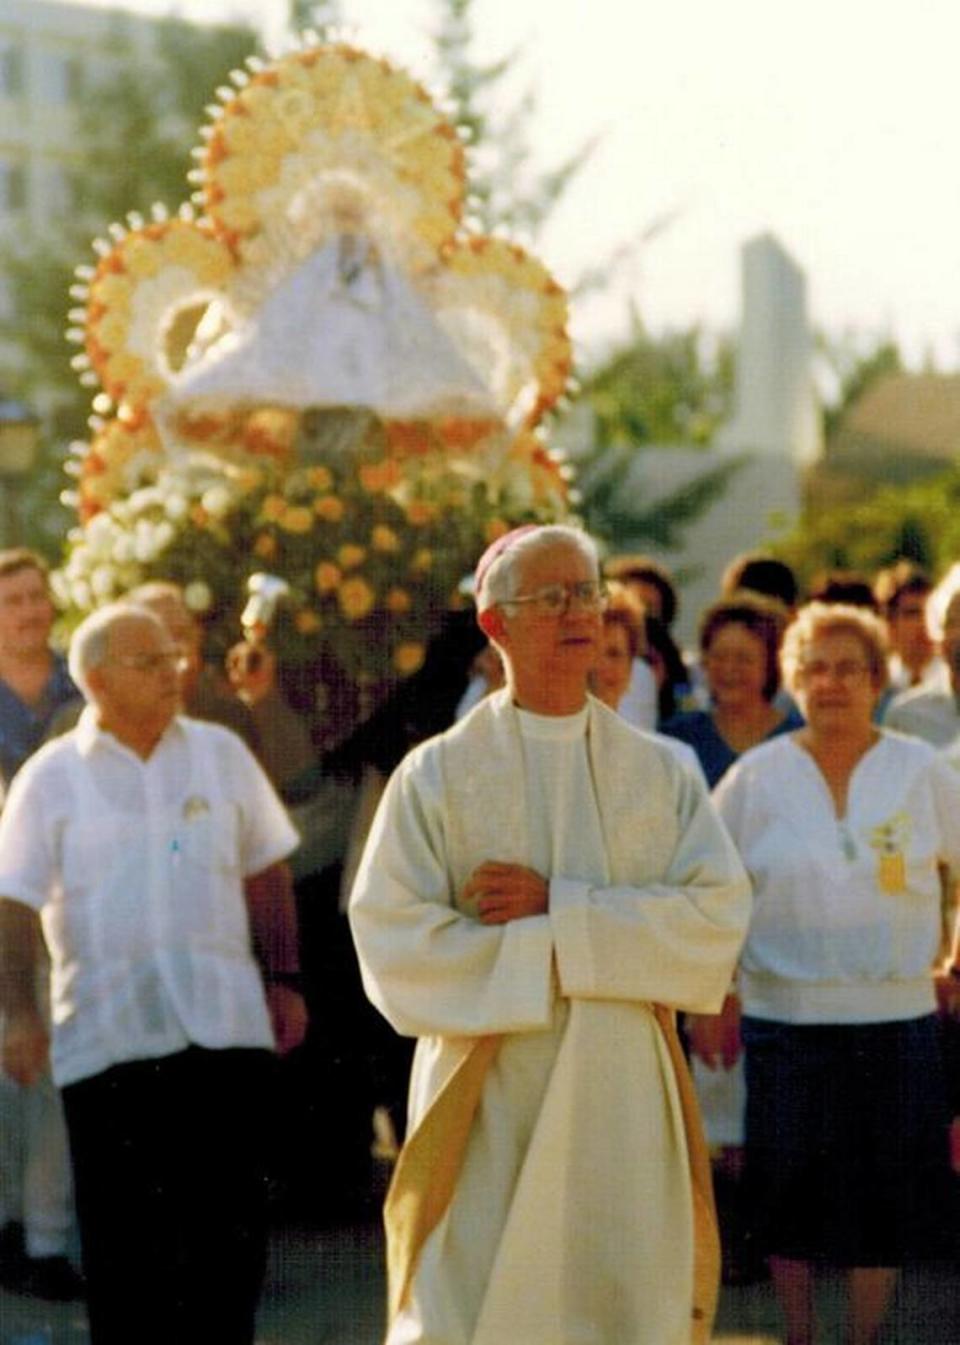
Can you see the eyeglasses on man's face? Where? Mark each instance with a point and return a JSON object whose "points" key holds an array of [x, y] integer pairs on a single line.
{"points": [[557, 599], [151, 663]]}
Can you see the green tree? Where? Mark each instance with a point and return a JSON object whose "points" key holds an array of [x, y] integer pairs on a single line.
{"points": [[668, 390], [134, 133], [672, 391], [920, 522]]}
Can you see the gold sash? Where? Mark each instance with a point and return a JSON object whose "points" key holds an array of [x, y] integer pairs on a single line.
{"points": [[706, 1234], [428, 1167], [430, 1161]]}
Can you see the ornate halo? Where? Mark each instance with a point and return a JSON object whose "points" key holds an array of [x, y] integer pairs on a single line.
{"points": [[144, 282], [509, 317], [120, 453], [328, 141]]}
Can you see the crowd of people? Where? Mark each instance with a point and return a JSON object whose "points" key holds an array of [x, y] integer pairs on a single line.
{"points": [[532, 891]]}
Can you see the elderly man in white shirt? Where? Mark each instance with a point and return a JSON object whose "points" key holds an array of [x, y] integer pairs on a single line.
{"points": [[150, 847], [542, 886]]}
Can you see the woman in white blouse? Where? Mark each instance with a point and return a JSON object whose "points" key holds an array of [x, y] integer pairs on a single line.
{"points": [[842, 828]]}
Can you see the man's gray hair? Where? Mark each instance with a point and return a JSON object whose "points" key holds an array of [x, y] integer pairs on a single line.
{"points": [[90, 641], [502, 580]]}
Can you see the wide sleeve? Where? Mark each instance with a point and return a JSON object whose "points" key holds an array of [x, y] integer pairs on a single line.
{"points": [[674, 940], [428, 968]]}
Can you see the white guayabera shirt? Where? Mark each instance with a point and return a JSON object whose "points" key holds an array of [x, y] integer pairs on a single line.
{"points": [[137, 869]]}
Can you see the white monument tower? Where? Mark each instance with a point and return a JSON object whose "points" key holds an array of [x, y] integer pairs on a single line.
{"points": [[776, 406], [774, 434]]}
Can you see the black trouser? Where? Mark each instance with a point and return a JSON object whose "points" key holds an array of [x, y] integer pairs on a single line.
{"points": [[170, 1168]]}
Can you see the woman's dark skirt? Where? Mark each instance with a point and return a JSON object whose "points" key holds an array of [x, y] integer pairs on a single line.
{"points": [[847, 1142]]}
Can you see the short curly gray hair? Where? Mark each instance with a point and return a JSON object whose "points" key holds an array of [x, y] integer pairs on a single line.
{"points": [[829, 618]]}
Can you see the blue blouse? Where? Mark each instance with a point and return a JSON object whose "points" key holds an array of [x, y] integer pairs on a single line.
{"points": [[696, 727]]}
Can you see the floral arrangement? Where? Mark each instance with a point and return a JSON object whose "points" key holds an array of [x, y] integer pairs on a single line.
{"points": [[372, 547], [371, 510]]}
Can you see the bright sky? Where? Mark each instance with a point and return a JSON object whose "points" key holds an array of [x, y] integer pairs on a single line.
{"points": [[832, 123]]}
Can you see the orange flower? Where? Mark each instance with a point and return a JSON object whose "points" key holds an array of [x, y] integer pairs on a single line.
{"points": [[420, 512], [350, 555], [422, 559], [273, 507], [326, 577], [320, 478], [265, 546], [384, 539], [248, 478], [398, 601], [495, 529], [203, 427], [296, 519], [458, 432], [409, 437], [356, 598], [376, 476], [408, 657], [270, 431], [329, 507], [307, 621]]}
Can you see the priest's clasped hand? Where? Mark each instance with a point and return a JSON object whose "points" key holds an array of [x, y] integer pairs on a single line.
{"points": [[504, 892]]}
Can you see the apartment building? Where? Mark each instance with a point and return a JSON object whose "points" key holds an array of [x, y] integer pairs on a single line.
{"points": [[51, 57]]}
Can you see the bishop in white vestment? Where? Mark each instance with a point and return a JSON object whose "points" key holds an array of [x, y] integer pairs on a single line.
{"points": [[541, 885]]}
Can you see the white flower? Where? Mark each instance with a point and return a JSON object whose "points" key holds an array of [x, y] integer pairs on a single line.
{"points": [[78, 563], [175, 507], [60, 587], [164, 534], [143, 499], [102, 581], [217, 500], [144, 541], [198, 596], [81, 595], [100, 536], [122, 552]]}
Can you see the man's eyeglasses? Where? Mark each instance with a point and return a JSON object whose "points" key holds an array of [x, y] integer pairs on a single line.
{"points": [[151, 663], [557, 599]]}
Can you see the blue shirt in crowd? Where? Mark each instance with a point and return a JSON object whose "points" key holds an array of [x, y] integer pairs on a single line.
{"points": [[23, 727], [696, 727]]}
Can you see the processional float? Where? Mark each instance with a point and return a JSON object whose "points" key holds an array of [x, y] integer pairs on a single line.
{"points": [[316, 371]]}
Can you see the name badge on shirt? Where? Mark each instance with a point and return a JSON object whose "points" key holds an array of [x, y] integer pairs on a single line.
{"points": [[890, 840]]}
